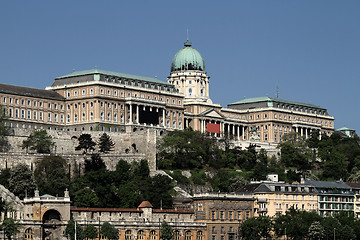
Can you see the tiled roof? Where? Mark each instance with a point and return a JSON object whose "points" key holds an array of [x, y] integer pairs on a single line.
{"points": [[249, 188], [353, 185], [145, 204], [328, 184], [30, 92]]}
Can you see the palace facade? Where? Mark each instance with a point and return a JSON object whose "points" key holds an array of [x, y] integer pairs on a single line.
{"points": [[93, 100]]}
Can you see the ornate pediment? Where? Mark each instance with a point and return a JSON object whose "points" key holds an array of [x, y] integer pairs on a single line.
{"points": [[212, 113]]}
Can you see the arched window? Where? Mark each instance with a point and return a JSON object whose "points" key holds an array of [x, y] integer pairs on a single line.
{"points": [[128, 235], [140, 235], [177, 235], [199, 235], [115, 117], [190, 91], [75, 117], [102, 116], [152, 235], [109, 116], [28, 234], [187, 235]]}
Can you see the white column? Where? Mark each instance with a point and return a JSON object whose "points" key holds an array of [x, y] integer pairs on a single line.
{"points": [[306, 132], [243, 132], [163, 117], [233, 130], [137, 113], [130, 106], [238, 132]]}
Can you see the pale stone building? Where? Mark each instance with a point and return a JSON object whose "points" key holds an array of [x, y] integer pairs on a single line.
{"points": [[272, 197], [98, 100]]}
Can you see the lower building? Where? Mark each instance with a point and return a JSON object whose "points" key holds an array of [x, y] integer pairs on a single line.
{"points": [[273, 197], [333, 197], [203, 216]]}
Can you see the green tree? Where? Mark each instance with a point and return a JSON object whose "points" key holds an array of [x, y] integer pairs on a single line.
{"points": [[51, 175], [86, 197], [166, 232], [295, 152], [187, 149], [95, 163], [316, 231], [296, 223], [21, 181], [4, 130], [10, 227], [105, 143], [109, 231], [70, 230], [4, 177], [256, 228], [90, 232], [39, 141], [85, 143]]}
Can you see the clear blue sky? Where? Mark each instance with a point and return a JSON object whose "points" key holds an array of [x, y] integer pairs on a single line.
{"points": [[309, 49]]}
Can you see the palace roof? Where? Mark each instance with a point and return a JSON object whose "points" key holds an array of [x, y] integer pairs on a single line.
{"points": [[30, 92]]}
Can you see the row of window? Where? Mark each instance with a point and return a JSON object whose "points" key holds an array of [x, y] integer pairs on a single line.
{"points": [[295, 206], [141, 84], [293, 118], [122, 94], [301, 109], [336, 199], [229, 215], [140, 235], [35, 115], [31, 103]]}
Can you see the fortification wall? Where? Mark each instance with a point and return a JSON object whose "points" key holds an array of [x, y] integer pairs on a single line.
{"points": [[129, 146]]}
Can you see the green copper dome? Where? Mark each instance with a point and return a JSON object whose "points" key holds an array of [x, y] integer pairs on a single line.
{"points": [[187, 59]]}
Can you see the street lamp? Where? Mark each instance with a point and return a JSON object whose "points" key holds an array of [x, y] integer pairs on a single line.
{"points": [[334, 234]]}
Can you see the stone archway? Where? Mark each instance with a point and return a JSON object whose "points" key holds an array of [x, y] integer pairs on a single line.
{"points": [[51, 222]]}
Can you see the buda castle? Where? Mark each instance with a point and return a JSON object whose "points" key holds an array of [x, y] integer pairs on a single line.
{"points": [[99, 100]]}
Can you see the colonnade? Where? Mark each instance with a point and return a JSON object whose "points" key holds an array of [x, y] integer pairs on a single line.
{"points": [[134, 117], [226, 128], [305, 131]]}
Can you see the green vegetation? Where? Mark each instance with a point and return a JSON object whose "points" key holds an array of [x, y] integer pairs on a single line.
{"points": [[21, 181], [70, 230], [127, 186], [298, 225], [166, 232], [331, 158], [257, 228], [109, 231], [51, 175], [4, 131], [85, 143], [105, 143], [10, 227], [39, 141]]}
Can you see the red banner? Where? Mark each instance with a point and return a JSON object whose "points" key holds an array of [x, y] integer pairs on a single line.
{"points": [[213, 128]]}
